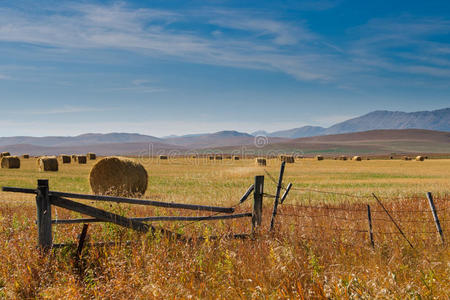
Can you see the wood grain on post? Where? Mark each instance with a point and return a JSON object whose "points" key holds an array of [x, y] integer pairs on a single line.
{"points": [[44, 215], [257, 202]]}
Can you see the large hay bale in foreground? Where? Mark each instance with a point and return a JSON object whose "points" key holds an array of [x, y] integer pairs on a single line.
{"points": [[92, 156], [5, 154], [287, 159], [319, 157], [66, 159], [357, 158], [47, 163], [81, 159], [420, 158], [26, 156], [118, 176], [260, 161], [10, 162]]}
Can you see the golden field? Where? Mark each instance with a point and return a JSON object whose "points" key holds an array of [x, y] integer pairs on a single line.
{"points": [[305, 257]]}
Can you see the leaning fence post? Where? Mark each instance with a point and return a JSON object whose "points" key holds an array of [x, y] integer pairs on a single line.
{"points": [[369, 218], [277, 196], [257, 202], [44, 215], [435, 216]]}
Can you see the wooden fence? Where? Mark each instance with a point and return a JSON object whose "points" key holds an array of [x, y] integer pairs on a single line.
{"points": [[45, 199]]}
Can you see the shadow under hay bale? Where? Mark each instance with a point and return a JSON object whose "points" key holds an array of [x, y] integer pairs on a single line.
{"points": [[47, 163], [81, 159], [260, 161], [10, 162], [117, 176], [66, 159]]}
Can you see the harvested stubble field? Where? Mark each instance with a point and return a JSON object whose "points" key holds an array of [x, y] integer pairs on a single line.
{"points": [[313, 253]]}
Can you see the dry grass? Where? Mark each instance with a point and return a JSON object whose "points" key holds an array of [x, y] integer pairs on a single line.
{"points": [[298, 260]]}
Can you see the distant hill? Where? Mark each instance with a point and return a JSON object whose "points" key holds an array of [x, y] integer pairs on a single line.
{"points": [[84, 139], [368, 142], [438, 120]]}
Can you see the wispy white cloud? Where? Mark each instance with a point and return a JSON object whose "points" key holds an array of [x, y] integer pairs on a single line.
{"points": [[58, 110], [3, 77], [261, 41]]}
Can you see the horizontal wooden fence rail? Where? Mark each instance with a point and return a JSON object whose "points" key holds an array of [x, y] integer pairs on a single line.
{"points": [[228, 210], [158, 218]]}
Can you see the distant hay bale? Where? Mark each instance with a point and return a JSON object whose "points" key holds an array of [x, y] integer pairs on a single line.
{"points": [[163, 157], [235, 157], [66, 159], [391, 157], [81, 159], [368, 158], [10, 162], [287, 159], [227, 156], [91, 156], [260, 161], [47, 163], [193, 156], [406, 158], [74, 157], [5, 154], [26, 156], [118, 176], [420, 158], [319, 157], [218, 157], [357, 158], [211, 157], [342, 157]]}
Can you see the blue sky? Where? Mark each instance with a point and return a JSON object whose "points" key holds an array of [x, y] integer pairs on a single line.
{"points": [[178, 67]]}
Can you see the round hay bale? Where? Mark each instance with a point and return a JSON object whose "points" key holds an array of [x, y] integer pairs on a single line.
{"points": [[235, 157], [342, 157], [357, 158], [5, 154], [10, 162], [287, 159], [74, 157], [118, 176], [420, 158], [218, 157], [391, 157], [26, 156], [66, 159], [91, 156], [260, 161], [164, 157], [47, 163], [406, 158], [82, 159], [211, 157], [319, 157]]}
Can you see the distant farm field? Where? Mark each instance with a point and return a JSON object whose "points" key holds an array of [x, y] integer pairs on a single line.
{"points": [[304, 257]]}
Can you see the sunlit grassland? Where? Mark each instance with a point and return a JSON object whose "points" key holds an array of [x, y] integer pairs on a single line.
{"points": [[293, 262]]}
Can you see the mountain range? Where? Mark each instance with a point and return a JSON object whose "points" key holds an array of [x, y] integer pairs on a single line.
{"points": [[134, 143]]}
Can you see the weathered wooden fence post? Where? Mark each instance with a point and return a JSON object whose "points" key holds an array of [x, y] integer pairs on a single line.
{"points": [[369, 218], [277, 196], [257, 202], [435, 216], [44, 215]]}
